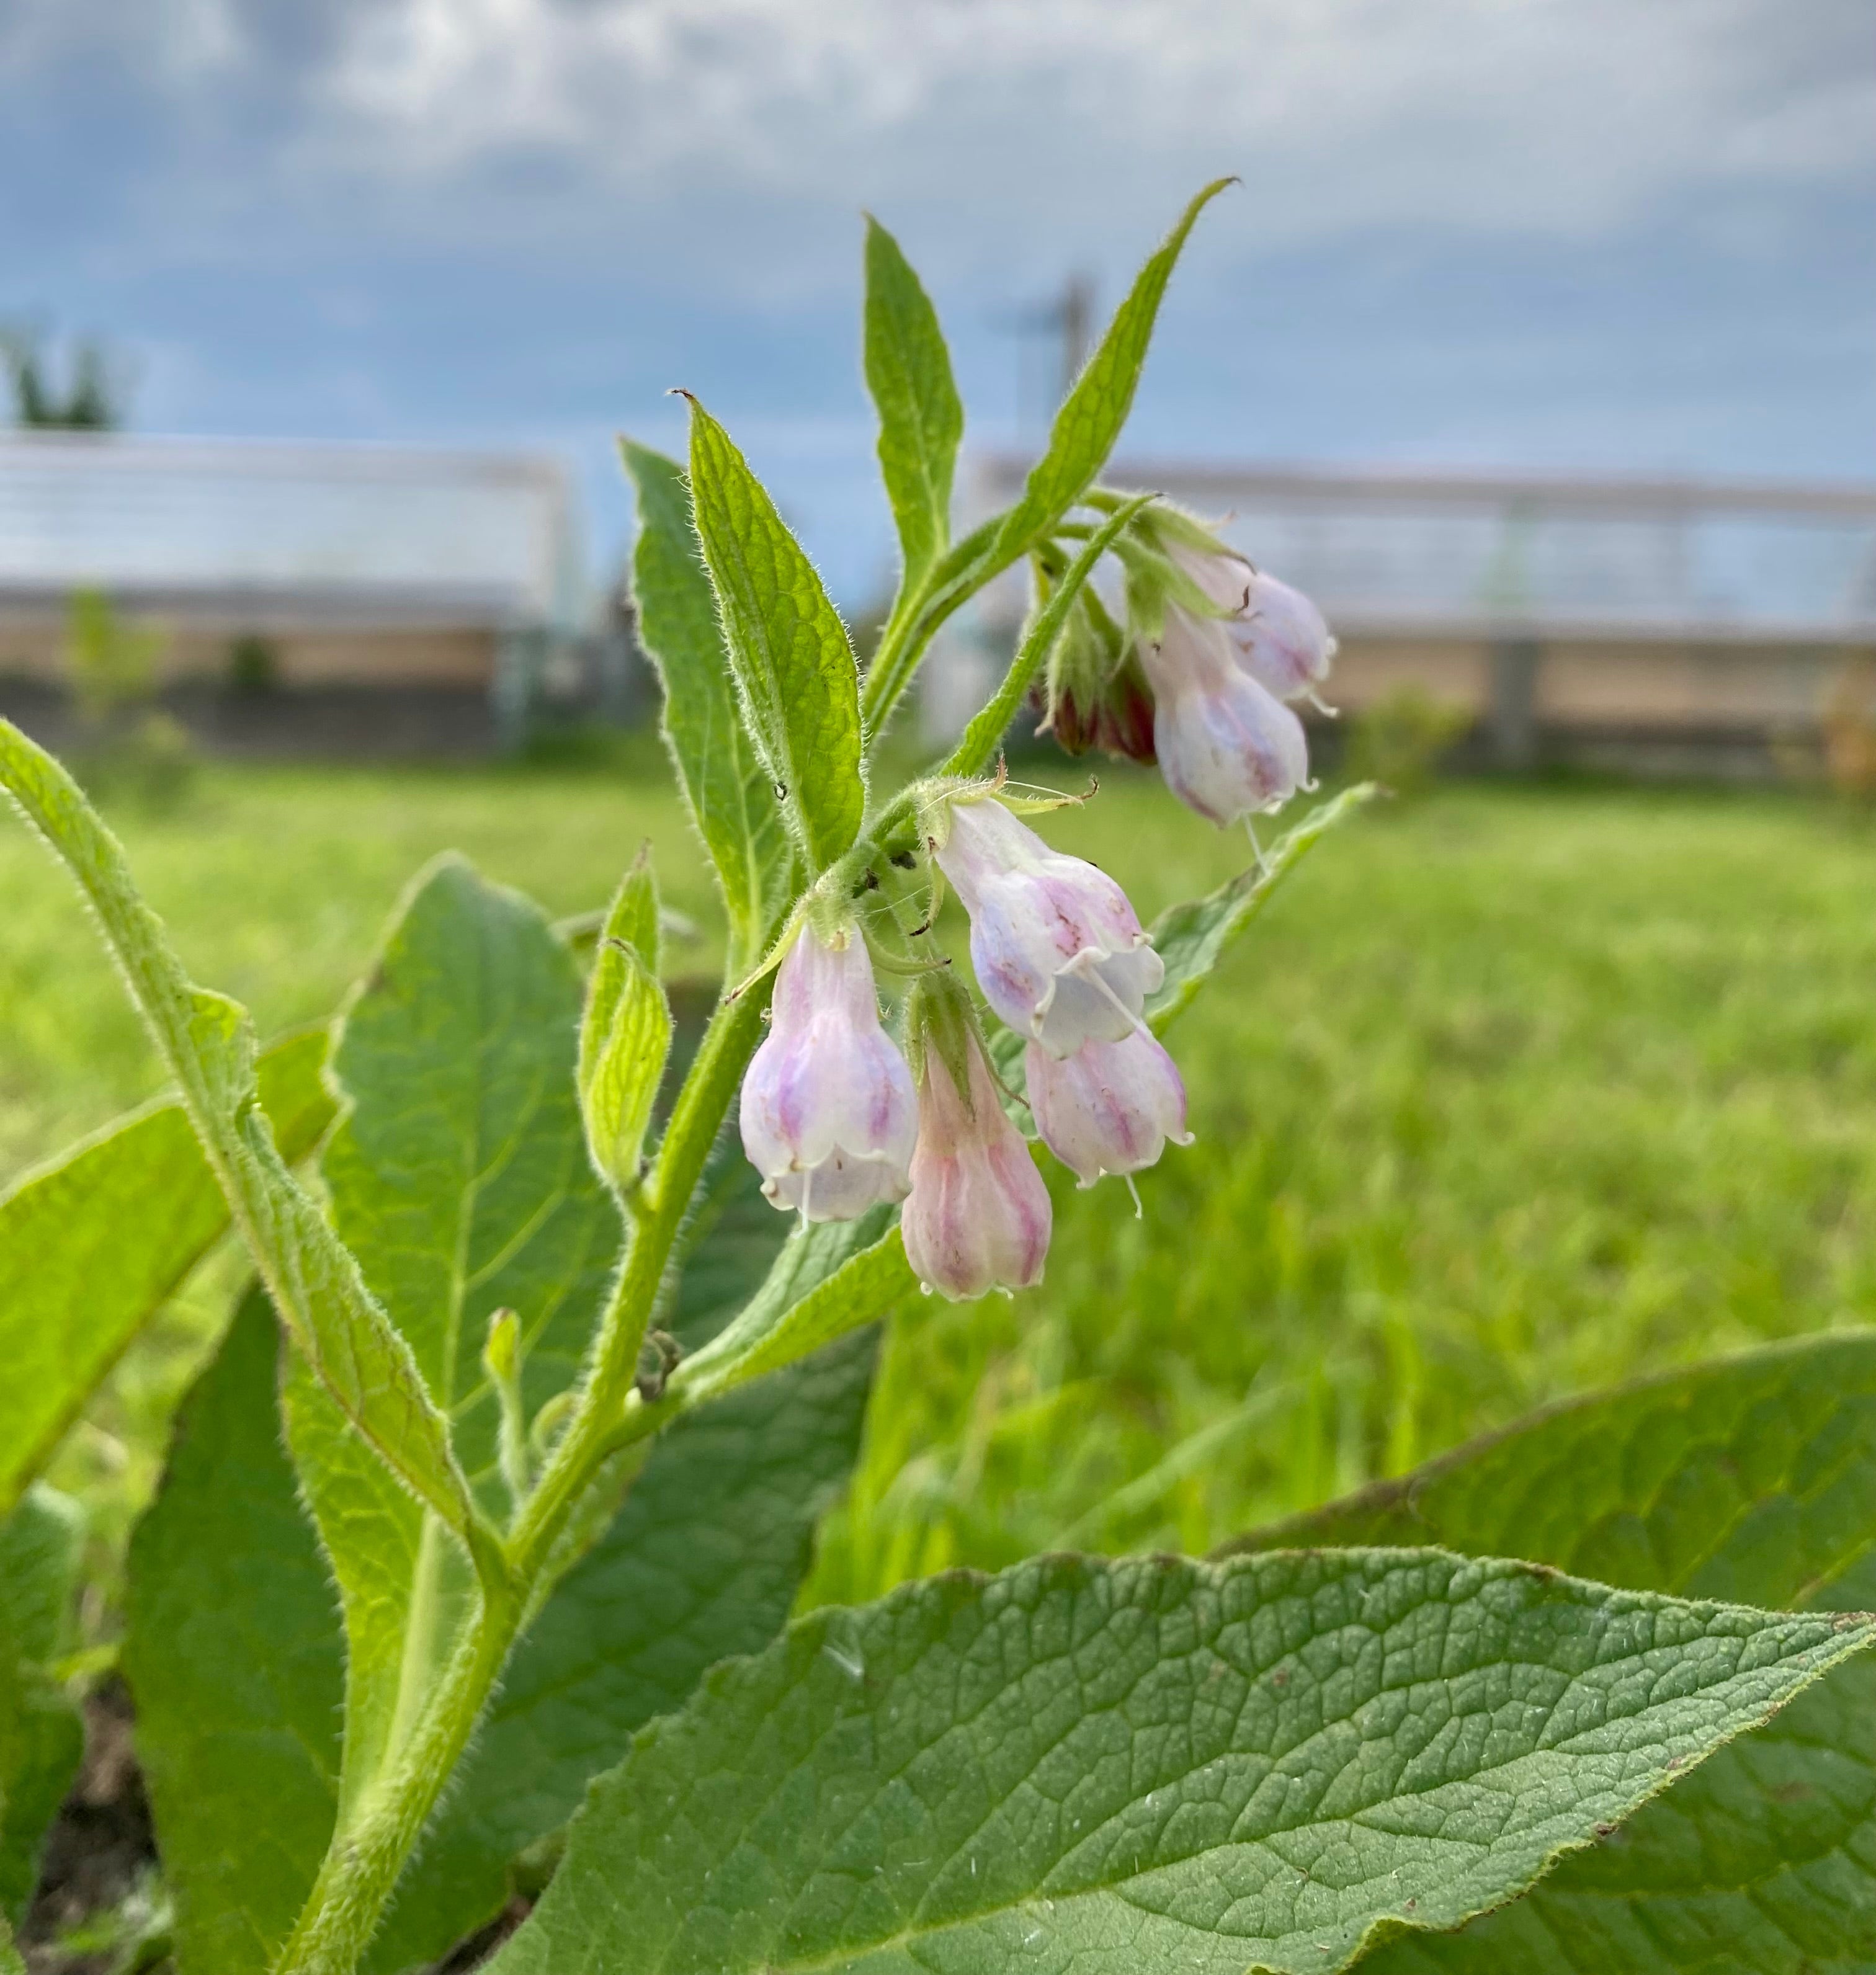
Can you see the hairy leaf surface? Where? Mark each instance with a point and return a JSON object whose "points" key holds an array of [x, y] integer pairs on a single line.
{"points": [[207, 1042], [797, 682], [92, 1245], [458, 1176], [233, 1659], [729, 794], [920, 418], [41, 1733], [1752, 1478], [1105, 1767]]}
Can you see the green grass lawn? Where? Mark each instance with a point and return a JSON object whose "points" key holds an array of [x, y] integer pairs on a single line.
{"points": [[1515, 1091]]}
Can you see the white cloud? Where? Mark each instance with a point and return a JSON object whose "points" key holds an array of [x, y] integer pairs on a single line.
{"points": [[1566, 116]]}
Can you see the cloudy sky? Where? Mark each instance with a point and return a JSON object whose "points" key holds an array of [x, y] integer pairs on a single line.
{"points": [[1607, 233]]}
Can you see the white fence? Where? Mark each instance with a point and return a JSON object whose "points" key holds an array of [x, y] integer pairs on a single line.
{"points": [[273, 533]]}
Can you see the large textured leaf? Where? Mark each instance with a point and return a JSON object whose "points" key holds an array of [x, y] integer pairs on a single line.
{"points": [[207, 1042], [233, 1659], [92, 1245], [704, 1562], [458, 1176], [41, 1735], [1111, 1767], [795, 674], [920, 418], [1753, 1478], [730, 795]]}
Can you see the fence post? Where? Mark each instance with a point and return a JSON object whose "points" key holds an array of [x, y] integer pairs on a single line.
{"points": [[1513, 713]]}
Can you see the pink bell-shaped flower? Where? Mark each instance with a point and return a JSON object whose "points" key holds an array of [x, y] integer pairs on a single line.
{"points": [[1227, 747], [1280, 636], [1110, 1107], [829, 1113], [978, 1215], [1058, 951]]}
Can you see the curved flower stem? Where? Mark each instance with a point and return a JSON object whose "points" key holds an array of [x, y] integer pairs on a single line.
{"points": [[362, 1865]]}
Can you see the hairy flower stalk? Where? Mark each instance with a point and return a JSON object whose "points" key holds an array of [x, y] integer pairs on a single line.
{"points": [[1110, 1108], [829, 1114], [1227, 747], [978, 1217], [1059, 952]]}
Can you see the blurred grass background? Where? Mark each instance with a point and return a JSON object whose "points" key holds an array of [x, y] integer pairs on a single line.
{"points": [[1515, 1090]]}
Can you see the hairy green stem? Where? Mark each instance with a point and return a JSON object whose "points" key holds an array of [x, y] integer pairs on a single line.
{"points": [[361, 1867]]}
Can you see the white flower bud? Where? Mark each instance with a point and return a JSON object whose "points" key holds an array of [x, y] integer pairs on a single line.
{"points": [[829, 1114], [1280, 636], [978, 1217], [1058, 951], [1110, 1107], [1227, 748]]}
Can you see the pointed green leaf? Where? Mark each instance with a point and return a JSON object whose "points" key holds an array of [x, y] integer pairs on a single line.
{"points": [[795, 674], [1097, 405], [458, 1178], [1152, 1763], [41, 1733], [626, 1034], [92, 1245], [920, 418], [730, 795], [1753, 1477], [233, 1655], [1192, 938], [1085, 430], [207, 1042]]}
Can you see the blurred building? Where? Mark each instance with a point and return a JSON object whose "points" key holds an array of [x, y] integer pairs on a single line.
{"points": [[307, 598], [1642, 624]]}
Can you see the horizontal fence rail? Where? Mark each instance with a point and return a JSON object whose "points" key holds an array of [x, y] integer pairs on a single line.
{"points": [[307, 532], [1478, 554]]}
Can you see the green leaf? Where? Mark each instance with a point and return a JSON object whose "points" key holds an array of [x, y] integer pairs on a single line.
{"points": [[458, 1178], [12, 1962], [1085, 430], [233, 1655], [794, 668], [729, 794], [626, 1034], [920, 418], [1096, 408], [92, 1245], [1192, 938], [1754, 1478], [1116, 1767], [41, 1733], [208, 1044]]}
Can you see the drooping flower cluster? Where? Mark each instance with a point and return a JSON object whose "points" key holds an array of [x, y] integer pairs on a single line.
{"points": [[1203, 678], [832, 1115]]}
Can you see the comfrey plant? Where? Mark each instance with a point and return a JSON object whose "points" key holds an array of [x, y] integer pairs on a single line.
{"points": [[464, 1600]]}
